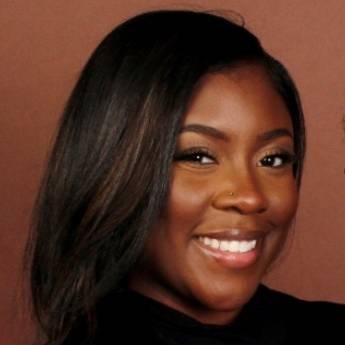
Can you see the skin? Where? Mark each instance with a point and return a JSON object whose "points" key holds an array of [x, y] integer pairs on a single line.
{"points": [[240, 106]]}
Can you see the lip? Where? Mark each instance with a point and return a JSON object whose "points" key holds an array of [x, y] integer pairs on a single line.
{"points": [[234, 234]]}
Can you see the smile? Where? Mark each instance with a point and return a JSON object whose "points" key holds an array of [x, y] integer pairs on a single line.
{"points": [[231, 253]]}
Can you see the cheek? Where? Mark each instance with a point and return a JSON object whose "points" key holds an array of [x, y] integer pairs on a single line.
{"points": [[188, 199], [285, 203], [283, 206]]}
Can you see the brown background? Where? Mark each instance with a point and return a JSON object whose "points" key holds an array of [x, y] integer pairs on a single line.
{"points": [[43, 45]]}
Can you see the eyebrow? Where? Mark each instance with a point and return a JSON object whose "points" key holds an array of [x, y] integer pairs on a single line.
{"points": [[275, 133], [215, 133], [206, 130]]}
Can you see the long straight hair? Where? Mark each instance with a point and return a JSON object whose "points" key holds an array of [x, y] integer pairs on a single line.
{"points": [[108, 174]]}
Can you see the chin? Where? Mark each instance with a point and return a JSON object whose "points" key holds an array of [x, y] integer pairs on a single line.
{"points": [[226, 298]]}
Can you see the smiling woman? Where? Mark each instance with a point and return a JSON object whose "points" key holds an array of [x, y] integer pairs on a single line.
{"points": [[170, 191], [232, 197]]}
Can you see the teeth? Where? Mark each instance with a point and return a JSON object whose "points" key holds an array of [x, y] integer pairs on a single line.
{"points": [[224, 246], [229, 246], [215, 243], [207, 241], [234, 246], [244, 247]]}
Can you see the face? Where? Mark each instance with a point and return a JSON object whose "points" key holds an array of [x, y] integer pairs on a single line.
{"points": [[232, 198]]}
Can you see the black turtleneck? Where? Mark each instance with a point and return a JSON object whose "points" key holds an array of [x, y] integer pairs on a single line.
{"points": [[270, 318]]}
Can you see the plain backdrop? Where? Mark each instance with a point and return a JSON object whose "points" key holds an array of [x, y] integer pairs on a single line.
{"points": [[45, 43]]}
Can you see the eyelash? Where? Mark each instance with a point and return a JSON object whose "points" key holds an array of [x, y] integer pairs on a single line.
{"points": [[286, 158], [196, 154]]}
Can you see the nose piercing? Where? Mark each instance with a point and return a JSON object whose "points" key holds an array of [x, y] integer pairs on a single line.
{"points": [[231, 193]]}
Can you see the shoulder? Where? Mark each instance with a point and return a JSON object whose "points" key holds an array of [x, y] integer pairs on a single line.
{"points": [[305, 319], [316, 310], [122, 319]]}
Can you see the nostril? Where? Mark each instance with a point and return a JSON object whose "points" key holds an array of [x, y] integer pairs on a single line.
{"points": [[262, 210], [248, 209]]}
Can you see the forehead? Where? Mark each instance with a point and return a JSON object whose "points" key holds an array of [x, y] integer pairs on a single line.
{"points": [[243, 99]]}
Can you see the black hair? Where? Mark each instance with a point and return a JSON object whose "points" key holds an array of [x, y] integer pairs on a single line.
{"points": [[108, 175]]}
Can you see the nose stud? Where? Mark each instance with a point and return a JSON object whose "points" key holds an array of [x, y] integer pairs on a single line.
{"points": [[231, 193]]}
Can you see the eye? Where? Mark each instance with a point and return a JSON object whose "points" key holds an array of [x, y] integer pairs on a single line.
{"points": [[199, 156], [277, 160]]}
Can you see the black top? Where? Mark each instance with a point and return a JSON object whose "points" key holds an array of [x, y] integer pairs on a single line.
{"points": [[270, 317]]}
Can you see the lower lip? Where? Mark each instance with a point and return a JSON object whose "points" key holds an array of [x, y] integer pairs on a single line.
{"points": [[231, 260]]}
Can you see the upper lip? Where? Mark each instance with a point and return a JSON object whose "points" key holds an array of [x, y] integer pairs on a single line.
{"points": [[235, 234]]}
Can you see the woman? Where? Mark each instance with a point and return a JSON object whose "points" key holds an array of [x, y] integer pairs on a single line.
{"points": [[170, 191]]}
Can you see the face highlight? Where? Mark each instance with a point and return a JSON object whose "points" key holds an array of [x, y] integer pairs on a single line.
{"points": [[232, 198]]}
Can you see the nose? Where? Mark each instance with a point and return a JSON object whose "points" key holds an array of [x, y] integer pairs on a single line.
{"points": [[242, 194]]}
